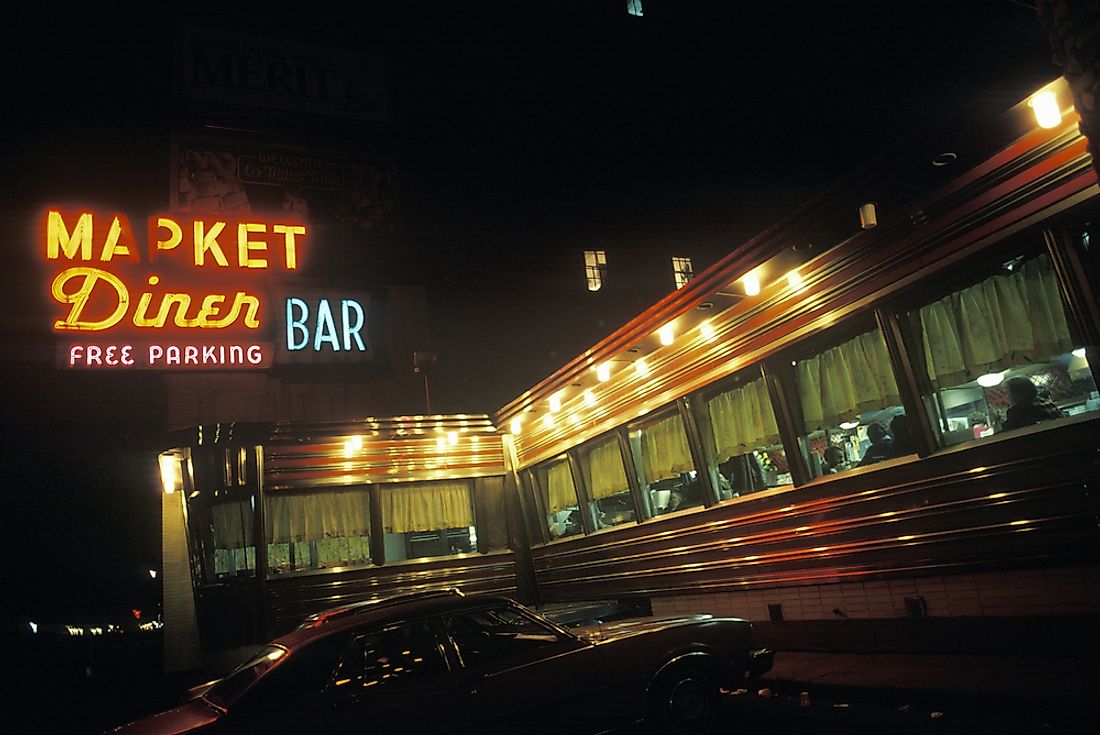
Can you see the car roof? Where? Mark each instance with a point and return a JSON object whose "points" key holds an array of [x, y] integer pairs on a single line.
{"points": [[379, 610]]}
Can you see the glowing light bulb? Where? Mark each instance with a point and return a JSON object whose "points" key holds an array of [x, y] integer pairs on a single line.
{"points": [[1045, 106], [666, 334], [515, 425], [751, 284], [603, 372], [555, 403], [990, 379]]}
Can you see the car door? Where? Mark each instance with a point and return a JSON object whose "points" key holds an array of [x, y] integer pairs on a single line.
{"points": [[523, 675], [396, 679]]}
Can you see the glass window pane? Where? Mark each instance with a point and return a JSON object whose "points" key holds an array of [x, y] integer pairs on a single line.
{"points": [[851, 410], [745, 440], [612, 503], [423, 519], [666, 470], [998, 354], [559, 498], [397, 654], [486, 635], [320, 529]]}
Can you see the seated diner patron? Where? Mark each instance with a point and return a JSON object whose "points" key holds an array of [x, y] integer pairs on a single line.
{"points": [[1027, 407], [882, 445]]}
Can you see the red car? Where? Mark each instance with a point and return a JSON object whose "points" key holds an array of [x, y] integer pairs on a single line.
{"points": [[446, 662]]}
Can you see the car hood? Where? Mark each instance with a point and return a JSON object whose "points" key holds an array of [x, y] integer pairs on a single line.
{"points": [[604, 632], [185, 718]]}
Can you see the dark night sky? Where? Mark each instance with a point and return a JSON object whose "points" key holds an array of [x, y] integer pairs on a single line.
{"points": [[525, 129]]}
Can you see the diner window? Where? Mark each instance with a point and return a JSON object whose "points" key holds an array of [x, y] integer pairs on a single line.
{"points": [[612, 503], [322, 529], [559, 499], [666, 471], [851, 409], [423, 519], [998, 354], [231, 523], [745, 440]]}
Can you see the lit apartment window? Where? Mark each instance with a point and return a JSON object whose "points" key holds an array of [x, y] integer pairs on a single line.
{"points": [[634, 7], [681, 268], [595, 268]]}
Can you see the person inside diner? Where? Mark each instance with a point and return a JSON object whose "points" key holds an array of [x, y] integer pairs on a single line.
{"points": [[882, 445], [1027, 407]]}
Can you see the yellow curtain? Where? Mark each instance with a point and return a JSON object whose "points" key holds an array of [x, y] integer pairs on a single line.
{"points": [[426, 506], [665, 450], [846, 380], [999, 323], [606, 476], [742, 420], [318, 515], [232, 522], [559, 487]]}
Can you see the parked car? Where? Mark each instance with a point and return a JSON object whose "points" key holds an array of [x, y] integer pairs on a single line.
{"points": [[446, 662]]}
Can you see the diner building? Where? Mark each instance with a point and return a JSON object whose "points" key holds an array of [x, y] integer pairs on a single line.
{"points": [[873, 426]]}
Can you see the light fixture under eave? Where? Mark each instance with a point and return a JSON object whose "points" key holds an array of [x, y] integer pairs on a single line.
{"points": [[641, 367], [666, 334], [989, 380], [706, 329], [555, 402], [1048, 114], [452, 438], [603, 372], [794, 279], [171, 473], [515, 425], [589, 398], [751, 282]]}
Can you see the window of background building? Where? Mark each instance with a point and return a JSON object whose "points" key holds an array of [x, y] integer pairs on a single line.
{"points": [[612, 503], [666, 470], [559, 499], [744, 438], [422, 519], [682, 271], [595, 268], [998, 354], [851, 409]]}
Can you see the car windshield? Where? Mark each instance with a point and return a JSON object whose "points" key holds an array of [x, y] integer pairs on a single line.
{"points": [[229, 690]]}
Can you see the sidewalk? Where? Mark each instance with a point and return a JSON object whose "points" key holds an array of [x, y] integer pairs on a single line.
{"points": [[969, 681]]}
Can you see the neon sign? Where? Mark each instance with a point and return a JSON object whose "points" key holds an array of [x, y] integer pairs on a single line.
{"points": [[202, 298]]}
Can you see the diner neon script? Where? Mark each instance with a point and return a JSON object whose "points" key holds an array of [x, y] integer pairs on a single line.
{"points": [[254, 241]]}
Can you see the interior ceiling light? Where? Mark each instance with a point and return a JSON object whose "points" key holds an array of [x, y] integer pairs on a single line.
{"points": [[849, 425], [990, 380], [1045, 106]]}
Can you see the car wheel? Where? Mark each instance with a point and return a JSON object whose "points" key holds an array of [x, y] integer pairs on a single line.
{"points": [[683, 701]]}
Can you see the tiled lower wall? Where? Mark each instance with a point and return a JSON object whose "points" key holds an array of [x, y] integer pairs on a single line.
{"points": [[1026, 592]]}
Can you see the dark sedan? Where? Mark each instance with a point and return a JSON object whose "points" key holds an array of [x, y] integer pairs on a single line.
{"points": [[447, 662]]}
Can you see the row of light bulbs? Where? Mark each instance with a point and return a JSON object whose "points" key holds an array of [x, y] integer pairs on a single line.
{"points": [[666, 335]]}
